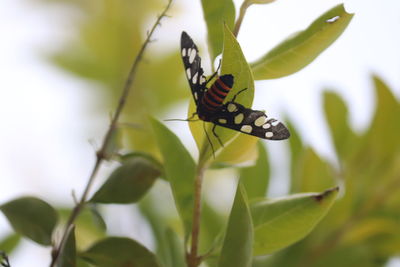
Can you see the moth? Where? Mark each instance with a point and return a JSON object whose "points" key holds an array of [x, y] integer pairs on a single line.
{"points": [[212, 107]]}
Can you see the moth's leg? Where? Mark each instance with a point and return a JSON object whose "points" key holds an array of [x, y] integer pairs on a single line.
{"points": [[216, 135], [188, 119], [208, 138], [234, 97], [215, 73]]}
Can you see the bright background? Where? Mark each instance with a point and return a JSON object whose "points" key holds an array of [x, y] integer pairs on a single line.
{"points": [[52, 122]]}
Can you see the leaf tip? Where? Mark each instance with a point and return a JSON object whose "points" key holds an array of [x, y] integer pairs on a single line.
{"points": [[320, 197]]}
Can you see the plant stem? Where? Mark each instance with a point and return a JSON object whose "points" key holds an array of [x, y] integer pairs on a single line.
{"points": [[101, 154], [193, 260], [242, 12]]}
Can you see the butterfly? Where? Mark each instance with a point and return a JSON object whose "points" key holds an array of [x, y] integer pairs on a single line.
{"points": [[212, 107]]}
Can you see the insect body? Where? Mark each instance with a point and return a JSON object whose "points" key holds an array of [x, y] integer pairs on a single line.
{"points": [[213, 98], [212, 107]]}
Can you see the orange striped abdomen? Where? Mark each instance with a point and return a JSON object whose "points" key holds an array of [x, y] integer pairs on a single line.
{"points": [[216, 94]]}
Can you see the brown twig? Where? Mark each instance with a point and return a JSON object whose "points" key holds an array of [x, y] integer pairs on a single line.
{"points": [[242, 12], [101, 154]]}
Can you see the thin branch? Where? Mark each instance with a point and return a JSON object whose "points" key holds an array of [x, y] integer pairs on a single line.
{"points": [[242, 12], [4, 259], [101, 154]]}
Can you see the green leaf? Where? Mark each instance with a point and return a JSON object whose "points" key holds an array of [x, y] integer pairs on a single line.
{"points": [[297, 152], [256, 178], [119, 252], [176, 249], [124, 158], [379, 137], [281, 222], [96, 216], [9, 243], [313, 173], [371, 227], [233, 62], [32, 218], [298, 51], [242, 149], [128, 183], [67, 256], [216, 13], [337, 117], [168, 245], [180, 171], [238, 242], [213, 226], [250, 2]]}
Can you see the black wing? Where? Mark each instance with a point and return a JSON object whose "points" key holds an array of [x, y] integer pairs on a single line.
{"points": [[193, 69], [253, 122]]}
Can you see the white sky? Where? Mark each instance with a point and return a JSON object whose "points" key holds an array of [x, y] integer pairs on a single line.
{"points": [[48, 117]]}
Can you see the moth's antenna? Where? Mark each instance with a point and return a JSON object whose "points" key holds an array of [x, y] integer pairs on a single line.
{"points": [[188, 119], [181, 120]]}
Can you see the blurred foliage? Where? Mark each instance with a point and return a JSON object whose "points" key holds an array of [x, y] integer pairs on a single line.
{"points": [[362, 227], [110, 34]]}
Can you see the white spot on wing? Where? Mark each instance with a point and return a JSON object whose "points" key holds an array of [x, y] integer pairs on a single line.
{"points": [[194, 80], [239, 118], [223, 121], [274, 122], [260, 121], [192, 55], [184, 52], [266, 126], [246, 129], [188, 73], [232, 107], [269, 134], [195, 95]]}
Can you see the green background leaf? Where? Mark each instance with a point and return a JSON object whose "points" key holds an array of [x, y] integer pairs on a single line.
{"points": [[179, 169], [300, 50], [279, 223], [237, 247], [9, 243], [32, 218], [89, 228], [120, 252], [67, 256], [255, 178], [216, 13], [128, 183]]}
